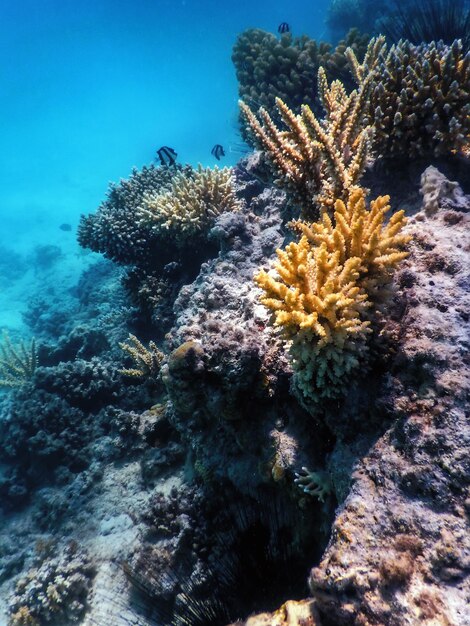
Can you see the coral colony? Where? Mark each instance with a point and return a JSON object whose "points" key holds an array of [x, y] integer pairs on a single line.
{"points": [[267, 374]]}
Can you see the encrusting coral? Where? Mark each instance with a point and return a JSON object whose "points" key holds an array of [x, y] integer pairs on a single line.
{"points": [[318, 161], [147, 360], [324, 286], [192, 203], [17, 363]]}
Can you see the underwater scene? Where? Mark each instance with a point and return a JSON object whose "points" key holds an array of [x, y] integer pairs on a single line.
{"points": [[234, 321]]}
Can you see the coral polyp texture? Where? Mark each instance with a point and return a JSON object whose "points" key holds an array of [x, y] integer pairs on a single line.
{"points": [[191, 205], [420, 104], [324, 286], [54, 591], [17, 362], [319, 306], [317, 160], [157, 225]]}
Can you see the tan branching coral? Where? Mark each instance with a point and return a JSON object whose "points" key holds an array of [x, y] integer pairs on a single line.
{"points": [[17, 363], [192, 204], [270, 67], [317, 161], [420, 104], [323, 287], [147, 360]]}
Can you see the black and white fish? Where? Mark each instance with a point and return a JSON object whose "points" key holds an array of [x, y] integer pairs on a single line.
{"points": [[283, 28], [218, 151], [167, 156]]}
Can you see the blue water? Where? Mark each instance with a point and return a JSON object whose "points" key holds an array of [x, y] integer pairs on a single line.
{"points": [[92, 87]]}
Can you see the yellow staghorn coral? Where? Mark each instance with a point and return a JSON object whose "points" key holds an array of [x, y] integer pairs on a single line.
{"points": [[358, 231], [192, 204], [317, 161], [324, 290], [318, 305]]}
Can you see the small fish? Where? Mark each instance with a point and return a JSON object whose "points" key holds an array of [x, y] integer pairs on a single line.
{"points": [[283, 28], [218, 151], [65, 227], [167, 156]]}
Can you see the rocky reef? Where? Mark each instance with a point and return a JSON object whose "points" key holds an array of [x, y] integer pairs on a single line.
{"points": [[201, 436]]}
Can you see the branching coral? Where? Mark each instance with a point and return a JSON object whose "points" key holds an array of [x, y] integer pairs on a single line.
{"points": [[269, 67], [358, 231], [53, 592], [147, 360], [318, 161], [324, 285], [192, 204], [320, 307], [17, 363], [115, 229], [157, 223], [315, 484], [420, 103]]}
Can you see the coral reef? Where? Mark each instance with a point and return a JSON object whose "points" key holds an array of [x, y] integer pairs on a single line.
{"points": [[17, 363], [417, 101], [147, 360], [156, 224], [324, 287], [115, 229], [320, 308], [268, 68]]}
